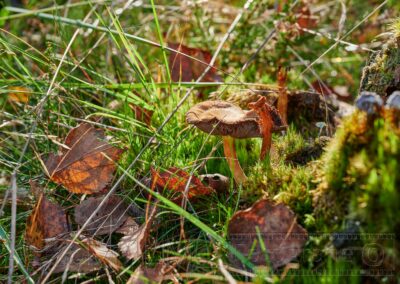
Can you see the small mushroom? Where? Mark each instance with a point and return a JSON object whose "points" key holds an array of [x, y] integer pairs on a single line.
{"points": [[229, 121], [392, 108], [369, 102]]}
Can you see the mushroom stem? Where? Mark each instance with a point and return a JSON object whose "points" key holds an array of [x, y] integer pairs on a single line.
{"points": [[233, 162]]}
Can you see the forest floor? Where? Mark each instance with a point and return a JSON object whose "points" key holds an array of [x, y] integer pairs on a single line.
{"points": [[105, 178]]}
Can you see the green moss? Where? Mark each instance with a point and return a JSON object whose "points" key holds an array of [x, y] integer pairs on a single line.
{"points": [[361, 178], [281, 181], [381, 75]]}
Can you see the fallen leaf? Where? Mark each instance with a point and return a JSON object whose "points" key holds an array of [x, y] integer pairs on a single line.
{"points": [[47, 220], [186, 69], [132, 246], [19, 94], [103, 253], [283, 238], [128, 227], [341, 92], [89, 164], [108, 219], [176, 180], [144, 274], [77, 259]]}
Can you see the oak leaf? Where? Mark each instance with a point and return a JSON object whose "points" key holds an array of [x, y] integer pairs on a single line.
{"points": [[276, 225], [89, 163], [176, 180]]}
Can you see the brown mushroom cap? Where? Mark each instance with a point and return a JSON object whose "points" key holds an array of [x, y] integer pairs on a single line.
{"points": [[226, 119]]}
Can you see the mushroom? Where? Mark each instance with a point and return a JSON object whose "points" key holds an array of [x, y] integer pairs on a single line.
{"points": [[392, 108], [369, 102], [229, 121]]}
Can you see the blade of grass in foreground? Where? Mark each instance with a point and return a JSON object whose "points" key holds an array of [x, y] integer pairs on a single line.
{"points": [[5, 240]]}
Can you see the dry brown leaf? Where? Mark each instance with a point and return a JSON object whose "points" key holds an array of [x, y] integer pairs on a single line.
{"points": [[103, 253], [89, 164], [175, 180], [145, 274], [77, 259], [282, 236], [186, 69], [132, 246], [128, 227], [108, 219], [47, 220]]}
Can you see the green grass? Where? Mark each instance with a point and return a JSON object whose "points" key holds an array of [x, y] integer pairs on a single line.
{"points": [[130, 67]]}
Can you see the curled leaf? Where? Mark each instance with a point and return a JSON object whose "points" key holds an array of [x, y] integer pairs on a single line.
{"points": [[176, 180], [89, 163]]}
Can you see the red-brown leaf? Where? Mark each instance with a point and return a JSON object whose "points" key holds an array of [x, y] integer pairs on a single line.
{"points": [[47, 220], [88, 166], [186, 69], [176, 180], [282, 236]]}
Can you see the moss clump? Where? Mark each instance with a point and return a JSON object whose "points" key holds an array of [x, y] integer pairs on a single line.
{"points": [[382, 73], [279, 180], [361, 178]]}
